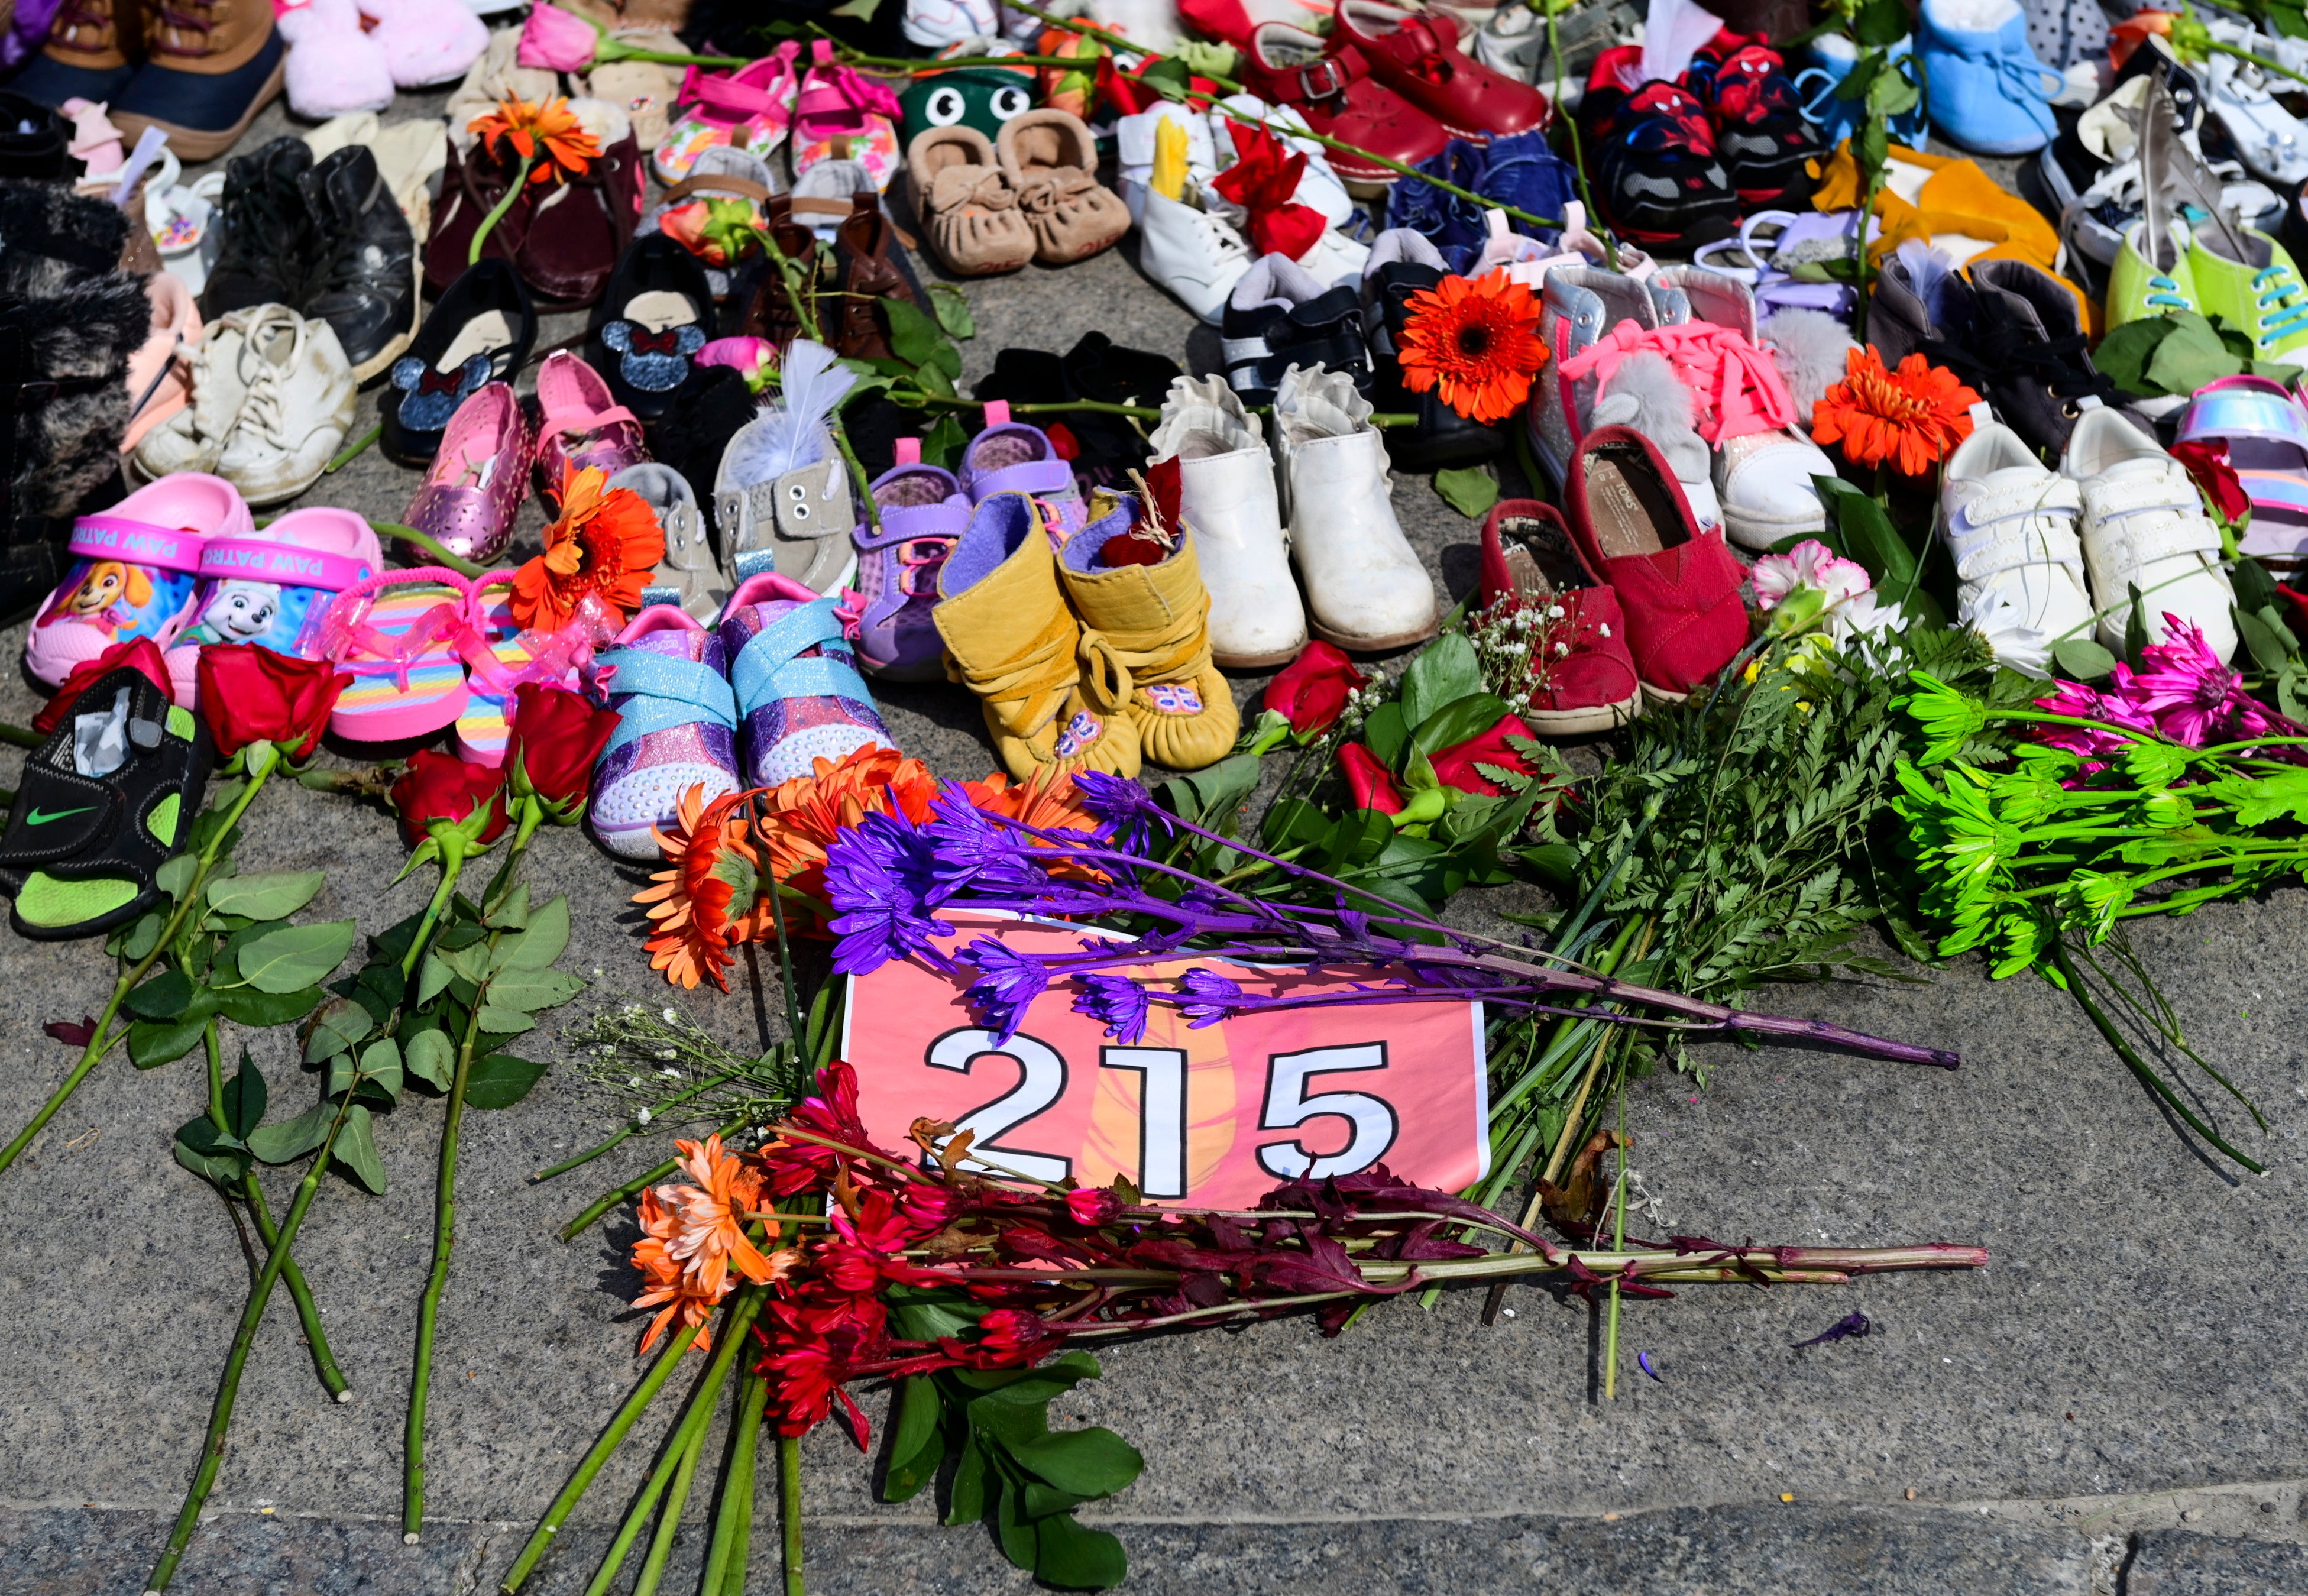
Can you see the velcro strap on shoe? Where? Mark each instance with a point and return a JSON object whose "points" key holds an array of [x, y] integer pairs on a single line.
{"points": [[254, 560], [766, 670], [138, 542], [2057, 495], [657, 693], [2038, 541], [1029, 476], [2151, 536]]}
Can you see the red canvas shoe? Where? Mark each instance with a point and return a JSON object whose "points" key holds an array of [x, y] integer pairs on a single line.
{"points": [[1678, 586], [1336, 93], [1416, 55], [1584, 679]]}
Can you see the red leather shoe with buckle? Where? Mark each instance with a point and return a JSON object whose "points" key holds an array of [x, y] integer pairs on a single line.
{"points": [[1584, 678], [1335, 92], [1416, 55]]}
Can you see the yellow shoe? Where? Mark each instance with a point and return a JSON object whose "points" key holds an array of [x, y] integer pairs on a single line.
{"points": [[1147, 629], [1010, 639]]}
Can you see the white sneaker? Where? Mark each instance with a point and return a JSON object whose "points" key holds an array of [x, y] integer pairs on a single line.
{"points": [[193, 438], [688, 578], [1196, 256], [300, 405], [1227, 496], [2269, 139], [1133, 152], [2144, 526], [2012, 528], [1366, 589]]}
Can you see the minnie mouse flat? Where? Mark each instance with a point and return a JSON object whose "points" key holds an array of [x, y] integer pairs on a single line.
{"points": [[479, 333], [655, 315]]}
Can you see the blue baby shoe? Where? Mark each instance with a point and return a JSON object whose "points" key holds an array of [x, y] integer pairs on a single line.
{"points": [[1832, 58], [1984, 89]]}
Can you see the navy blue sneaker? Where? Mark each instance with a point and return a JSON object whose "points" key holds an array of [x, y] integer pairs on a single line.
{"points": [[1523, 171], [213, 65]]}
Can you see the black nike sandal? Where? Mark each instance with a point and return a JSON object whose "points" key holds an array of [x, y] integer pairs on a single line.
{"points": [[81, 851]]}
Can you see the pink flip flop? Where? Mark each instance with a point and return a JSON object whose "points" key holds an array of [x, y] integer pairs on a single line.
{"points": [[474, 487], [273, 586], [134, 570], [503, 656], [582, 425], [400, 635]]}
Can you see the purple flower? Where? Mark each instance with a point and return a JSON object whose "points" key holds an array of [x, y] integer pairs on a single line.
{"points": [[973, 853], [1116, 1002], [1848, 1325], [878, 878], [1126, 812], [1007, 982], [1209, 998]]}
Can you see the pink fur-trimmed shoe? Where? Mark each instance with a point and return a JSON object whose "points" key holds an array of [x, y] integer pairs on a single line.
{"points": [[467, 501], [581, 425]]}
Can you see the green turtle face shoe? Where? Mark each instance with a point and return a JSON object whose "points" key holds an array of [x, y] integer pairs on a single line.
{"points": [[102, 804]]}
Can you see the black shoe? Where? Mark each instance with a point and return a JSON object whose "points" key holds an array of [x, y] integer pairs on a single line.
{"points": [[365, 288], [1658, 180], [479, 333], [1760, 129], [32, 140], [695, 426], [1402, 262], [1100, 369], [2040, 375], [655, 315], [1279, 316], [267, 231]]}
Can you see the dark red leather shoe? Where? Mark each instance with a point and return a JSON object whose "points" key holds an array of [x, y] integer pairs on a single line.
{"points": [[1416, 55], [1678, 586], [1584, 680], [1336, 93]]}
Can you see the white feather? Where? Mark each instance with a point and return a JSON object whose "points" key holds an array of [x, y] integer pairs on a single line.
{"points": [[811, 382]]}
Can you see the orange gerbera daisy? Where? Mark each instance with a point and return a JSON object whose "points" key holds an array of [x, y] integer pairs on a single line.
{"points": [[546, 128], [702, 1226], [603, 545], [1477, 342], [800, 818], [1913, 417], [714, 862]]}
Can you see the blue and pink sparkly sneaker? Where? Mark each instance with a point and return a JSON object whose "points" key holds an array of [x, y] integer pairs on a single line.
{"points": [[794, 673], [666, 677]]}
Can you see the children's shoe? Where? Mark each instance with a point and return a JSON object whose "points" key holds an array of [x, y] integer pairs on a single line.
{"points": [[2268, 139], [1135, 141], [1658, 179], [1012, 641], [1280, 316], [1577, 306], [99, 807], [1760, 127], [401, 636], [474, 487], [2260, 293], [1012, 457], [1832, 56], [969, 208], [933, 24], [1226, 492], [1194, 256], [652, 319], [1416, 53], [2011, 526], [580, 424], [1986, 89], [782, 500], [924, 514], [213, 65], [1051, 161], [688, 578], [1335, 91], [478, 332], [1679, 586], [2144, 527], [669, 680], [1522, 172], [1402, 262], [273, 586], [501, 655], [1153, 623], [840, 114], [794, 671], [751, 107], [1589, 685], [134, 572], [2040, 376], [2265, 432], [300, 400], [1365, 587]]}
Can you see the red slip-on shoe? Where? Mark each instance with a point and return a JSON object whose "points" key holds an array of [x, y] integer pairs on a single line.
{"points": [[1335, 92], [1582, 679], [1416, 55], [1678, 586]]}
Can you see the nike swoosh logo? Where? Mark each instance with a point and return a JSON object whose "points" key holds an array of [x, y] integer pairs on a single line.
{"points": [[39, 818]]}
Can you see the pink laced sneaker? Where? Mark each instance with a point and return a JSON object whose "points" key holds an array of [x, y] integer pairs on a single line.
{"points": [[475, 483], [582, 425]]}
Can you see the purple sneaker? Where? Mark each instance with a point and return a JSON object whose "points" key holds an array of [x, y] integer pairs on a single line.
{"points": [[795, 679], [1012, 457], [679, 729], [923, 512]]}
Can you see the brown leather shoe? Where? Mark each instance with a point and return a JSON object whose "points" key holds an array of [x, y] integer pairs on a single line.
{"points": [[209, 66], [861, 254], [769, 312]]}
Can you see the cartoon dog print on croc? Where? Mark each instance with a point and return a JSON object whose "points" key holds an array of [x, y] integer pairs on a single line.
{"points": [[238, 611], [110, 595], [653, 362], [429, 397]]}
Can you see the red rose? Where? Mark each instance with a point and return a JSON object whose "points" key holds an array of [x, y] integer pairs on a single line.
{"points": [[1454, 766], [1312, 689], [1367, 779], [2207, 463], [142, 652], [437, 787], [556, 737], [251, 694]]}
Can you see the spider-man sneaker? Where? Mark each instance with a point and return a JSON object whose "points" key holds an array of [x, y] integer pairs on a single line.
{"points": [[1760, 128], [1658, 179]]}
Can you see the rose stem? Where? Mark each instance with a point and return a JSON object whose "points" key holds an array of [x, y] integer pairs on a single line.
{"points": [[22, 736], [99, 1042], [1618, 1244], [324, 1360], [354, 451], [416, 540], [733, 1522], [445, 1187], [633, 1127], [687, 1437], [229, 1392], [789, 1509], [451, 867], [576, 1227], [550, 1525]]}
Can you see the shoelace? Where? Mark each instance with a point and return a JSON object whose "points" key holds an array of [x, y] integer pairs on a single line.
{"points": [[914, 567], [2278, 288], [2060, 364], [1222, 234]]}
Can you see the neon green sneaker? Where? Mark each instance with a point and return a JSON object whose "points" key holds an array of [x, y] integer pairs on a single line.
{"points": [[2261, 296], [2139, 287]]}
